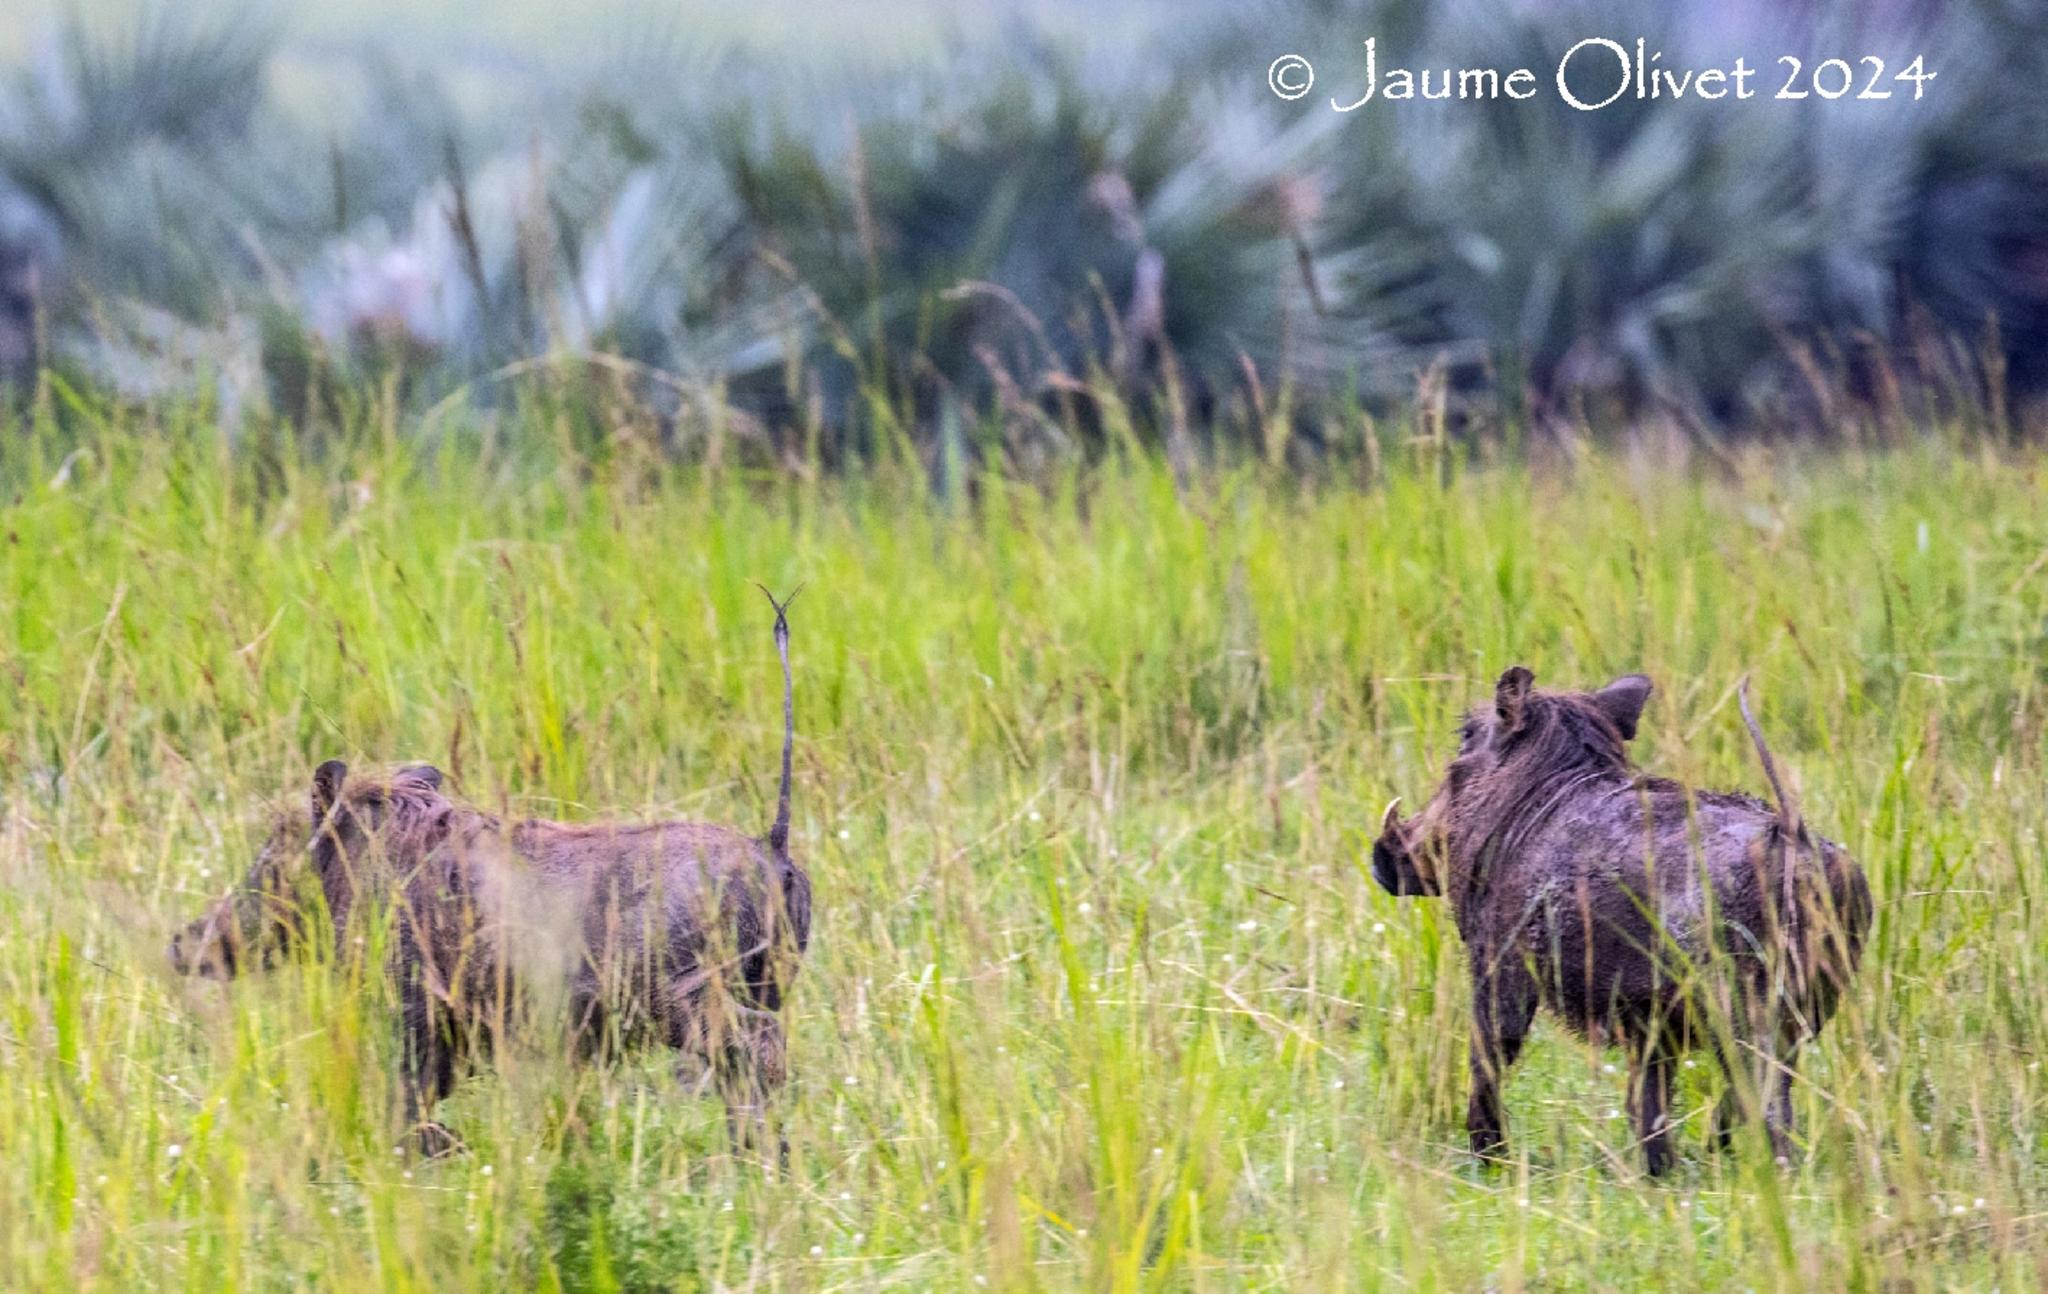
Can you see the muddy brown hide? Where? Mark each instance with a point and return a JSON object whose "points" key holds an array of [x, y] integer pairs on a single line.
{"points": [[681, 934], [1635, 910]]}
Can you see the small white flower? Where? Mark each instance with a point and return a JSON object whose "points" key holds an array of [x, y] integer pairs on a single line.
{"points": [[1979, 1202], [1084, 908], [1246, 927], [1379, 927], [845, 834], [1336, 1084], [1157, 1151], [851, 1080], [1033, 815], [485, 1170], [845, 1196], [102, 1181], [174, 1151], [1608, 1068], [859, 1238], [1614, 1114], [1959, 1210], [408, 1174], [817, 1251]]}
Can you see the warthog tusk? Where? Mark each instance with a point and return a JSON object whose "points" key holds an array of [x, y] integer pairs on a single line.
{"points": [[1389, 820]]}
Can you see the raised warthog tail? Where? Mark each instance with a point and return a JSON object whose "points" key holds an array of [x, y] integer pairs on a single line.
{"points": [[1788, 809], [778, 835]]}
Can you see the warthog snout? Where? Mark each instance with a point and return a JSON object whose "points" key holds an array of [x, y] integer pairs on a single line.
{"points": [[204, 948], [1393, 858]]}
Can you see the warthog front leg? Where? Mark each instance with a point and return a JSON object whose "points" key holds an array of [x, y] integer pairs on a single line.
{"points": [[427, 1074], [1503, 1006]]}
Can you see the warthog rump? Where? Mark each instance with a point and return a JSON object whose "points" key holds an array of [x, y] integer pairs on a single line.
{"points": [[1632, 907], [685, 934]]}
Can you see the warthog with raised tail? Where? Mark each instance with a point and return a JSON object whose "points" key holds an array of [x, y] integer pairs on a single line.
{"points": [[1633, 907], [685, 934]]}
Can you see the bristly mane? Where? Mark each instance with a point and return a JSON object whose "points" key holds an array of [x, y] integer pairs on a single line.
{"points": [[417, 816], [1564, 742]]}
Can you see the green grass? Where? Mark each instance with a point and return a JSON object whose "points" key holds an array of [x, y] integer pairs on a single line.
{"points": [[1100, 996]]}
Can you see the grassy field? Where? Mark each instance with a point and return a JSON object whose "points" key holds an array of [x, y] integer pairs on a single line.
{"points": [[1101, 996]]}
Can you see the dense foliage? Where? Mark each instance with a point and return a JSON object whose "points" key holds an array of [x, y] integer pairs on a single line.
{"points": [[840, 258]]}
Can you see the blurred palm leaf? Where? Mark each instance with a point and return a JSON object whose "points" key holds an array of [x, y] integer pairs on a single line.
{"points": [[1019, 226], [122, 142]]}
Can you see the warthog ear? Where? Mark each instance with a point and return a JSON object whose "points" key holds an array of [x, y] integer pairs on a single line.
{"points": [[419, 775], [1510, 698], [1623, 701], [327, 780]]}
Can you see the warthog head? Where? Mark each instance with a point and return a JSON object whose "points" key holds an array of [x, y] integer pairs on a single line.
{"points": [[1524, 740], [310, 859]]}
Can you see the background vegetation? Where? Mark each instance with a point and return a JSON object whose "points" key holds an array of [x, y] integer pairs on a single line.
{"points": [[1101, 994], [924, 222]]}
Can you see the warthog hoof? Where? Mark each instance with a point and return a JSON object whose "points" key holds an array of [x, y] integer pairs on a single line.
{"points": [[436, 1141]]}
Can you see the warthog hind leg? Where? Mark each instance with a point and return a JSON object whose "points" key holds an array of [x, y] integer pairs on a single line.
{"points": [[1774, 1082], [1651, 1072]]}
